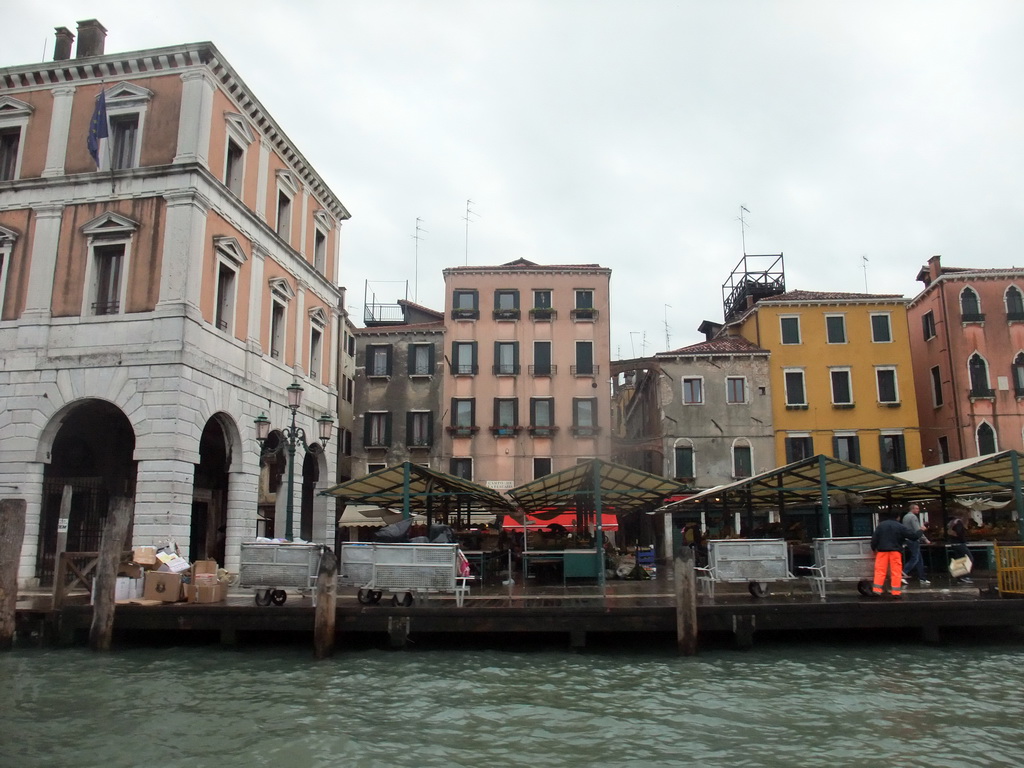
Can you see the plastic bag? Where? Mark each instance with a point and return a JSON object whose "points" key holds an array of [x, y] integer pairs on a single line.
{"points": [[960, 566]]}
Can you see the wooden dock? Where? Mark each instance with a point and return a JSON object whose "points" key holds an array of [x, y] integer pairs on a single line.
{"points": [[622, 612]]}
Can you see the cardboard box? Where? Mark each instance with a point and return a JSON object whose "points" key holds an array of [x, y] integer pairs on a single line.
{"points": [[165, 587], [131, 570], [204, 572], [213, 593], [172, 563], [145, 556]]}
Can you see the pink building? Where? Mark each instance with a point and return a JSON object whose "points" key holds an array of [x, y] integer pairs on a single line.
{"points": [[527, 367], [967, 342]]}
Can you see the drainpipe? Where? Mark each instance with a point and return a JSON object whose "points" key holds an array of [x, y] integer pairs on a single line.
{"points": [[952, 370], [826, 513]]}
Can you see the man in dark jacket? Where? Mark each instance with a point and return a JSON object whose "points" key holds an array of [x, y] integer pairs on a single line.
{"points": [[887, 544]]}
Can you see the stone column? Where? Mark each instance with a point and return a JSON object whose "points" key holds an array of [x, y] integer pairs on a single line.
{"points": [[242, 497], [195, 118], [183, 248], [60, 128], [33, 329], [163, 497]]}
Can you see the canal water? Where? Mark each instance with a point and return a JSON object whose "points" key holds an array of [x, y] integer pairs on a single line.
{"points": [[784, 704]]}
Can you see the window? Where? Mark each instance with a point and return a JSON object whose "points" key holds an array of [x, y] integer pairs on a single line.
{"points": [[230, 258], [846, 446], [506, 358], [970, 307], [881, 327], [842, 390], [798, 447], [986, 439], [584, 309], [977, 368], [1014, 304], [584, 359], [109, 237], [506, 305], [790, 328], [936, 378], [123, 137], [284, 215], [542, 309], [350, 347], [463, 416], [421, 359], [464, 358], [345, 441], [541, 467], [893, 452], [126, 105], [943, 445], [277, 320], [835, 329], [888, 392], [419, 429], [319, 250], [372, 467], [795, 394], [465, 305], [1018, 371], [542, 416], [377, 430], [10, 144], [684, 461], [315, 352], [742, 461], [7, 239], [542, 359], [461, 468], [107, 287], [584, 416], [234, 165], [506, 416], [928, 325], [693, 391], [378, 359], [735, 390]]}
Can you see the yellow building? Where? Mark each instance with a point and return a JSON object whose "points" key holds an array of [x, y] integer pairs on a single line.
{"points": [[841, 376]]}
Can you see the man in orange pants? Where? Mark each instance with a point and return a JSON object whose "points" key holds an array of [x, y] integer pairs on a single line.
{"points": [[887, 544]]}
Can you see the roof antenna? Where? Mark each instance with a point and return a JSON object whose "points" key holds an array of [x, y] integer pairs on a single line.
{"points": [[467, 220], [668, 343], [416, 266], [743, 229], [864, 259]]}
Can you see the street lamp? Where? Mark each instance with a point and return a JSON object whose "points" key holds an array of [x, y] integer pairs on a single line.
{"points": [[294, 435]]}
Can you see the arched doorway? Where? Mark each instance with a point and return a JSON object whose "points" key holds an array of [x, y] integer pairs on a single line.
{"points": [[273, 464], [310, 477], [91, 460], [210, 494]]}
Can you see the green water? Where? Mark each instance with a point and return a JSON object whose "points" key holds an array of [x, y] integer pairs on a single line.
{"points": [[808, 704]]}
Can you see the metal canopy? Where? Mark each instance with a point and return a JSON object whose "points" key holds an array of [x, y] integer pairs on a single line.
{"points": [[411, 488], [591, 483]]}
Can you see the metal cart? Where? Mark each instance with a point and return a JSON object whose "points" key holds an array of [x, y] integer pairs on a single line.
{"points": [[405, 569], [846, 558], [272, 567], [754, 561]]}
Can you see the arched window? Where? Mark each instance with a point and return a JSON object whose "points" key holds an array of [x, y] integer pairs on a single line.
{"points": [[742, 459], [1018, 374], [1014, 303], [970, 307], [684, 459], [978, 369], [986, 439]]}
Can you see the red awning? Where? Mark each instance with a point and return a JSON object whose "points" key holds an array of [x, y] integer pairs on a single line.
{"points": [[565, 519]]}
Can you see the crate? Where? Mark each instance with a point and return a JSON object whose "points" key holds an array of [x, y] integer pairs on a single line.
{"points": [[278, 565], [753, 561], [407, 568], [841, 559]]}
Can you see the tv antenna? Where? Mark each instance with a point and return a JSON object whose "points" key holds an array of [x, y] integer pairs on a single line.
{"points": [[668, 343], [416, 267], [743, 228], [467, 219], [864, 264]]}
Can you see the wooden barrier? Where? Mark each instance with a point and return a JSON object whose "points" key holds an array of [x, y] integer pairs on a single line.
{"points": [[1010, 569], [685, 580], [12, 535], [115, 529], [326, 605]]}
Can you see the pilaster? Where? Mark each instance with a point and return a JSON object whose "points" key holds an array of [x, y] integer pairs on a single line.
{"points": [[184, 234], [60, 130], [195, 118]]}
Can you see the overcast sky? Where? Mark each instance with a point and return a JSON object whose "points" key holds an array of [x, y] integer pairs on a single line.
{"points": [[628, 134]]}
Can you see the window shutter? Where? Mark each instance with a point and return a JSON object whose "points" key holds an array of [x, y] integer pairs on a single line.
{"points": [[790, 450], [430, 428], [409, 417], [366, 429], [410, 356], [855, 450], [835, 446], [388, 361], [387, 428], [430, 359]]}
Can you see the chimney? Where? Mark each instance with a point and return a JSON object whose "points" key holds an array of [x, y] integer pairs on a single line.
{"points": [[91, 37], [62, 46]]}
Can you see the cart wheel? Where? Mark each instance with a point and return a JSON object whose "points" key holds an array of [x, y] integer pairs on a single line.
{"points": [[278, 597], [864, 587], [757, 589], [264, 598], [405, 601], [368, 596]]}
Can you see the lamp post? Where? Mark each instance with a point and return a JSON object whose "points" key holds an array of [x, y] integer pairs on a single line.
{"points": [[294, 435]]}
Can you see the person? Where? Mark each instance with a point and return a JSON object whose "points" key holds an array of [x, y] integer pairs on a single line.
{"points": [[887, 544], [914, 559], [956, 533]]}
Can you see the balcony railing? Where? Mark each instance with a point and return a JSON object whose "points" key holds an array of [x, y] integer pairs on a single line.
{"points": [[543, 370], [584, 370], [505, 431], [543, 314], [585, 431], [506, 314], [586, 315], [464, 370], [465, 314], [543, 431], [462, 431], [505, 370], [982, 392], [972, 317]]}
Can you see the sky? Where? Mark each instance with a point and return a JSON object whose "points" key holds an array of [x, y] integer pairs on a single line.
{"points": [[861, 138]]}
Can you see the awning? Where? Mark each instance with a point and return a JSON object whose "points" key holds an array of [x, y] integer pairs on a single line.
{"points": [[981, 474], [594, 483], [565, 518], [366, 516], [410, 489]]}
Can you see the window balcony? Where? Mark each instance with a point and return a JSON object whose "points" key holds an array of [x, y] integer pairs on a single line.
{"points": [[505, 431], [505, 370], [586, 431], [419, 445], [506, 315], [464, 370], [1015, 317], [584, 370], [543, 370], [462, 431], [972, 317], [586, 315], [543, 431], [543, 314], [465, 314], [981, 393]]}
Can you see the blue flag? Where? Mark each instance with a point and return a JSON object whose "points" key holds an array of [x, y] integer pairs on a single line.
{"points": [[98, 127]]}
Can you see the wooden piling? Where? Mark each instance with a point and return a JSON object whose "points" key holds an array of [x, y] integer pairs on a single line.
{"points": [[326, 605], [115, 529], [686, 601], [12, 535]]}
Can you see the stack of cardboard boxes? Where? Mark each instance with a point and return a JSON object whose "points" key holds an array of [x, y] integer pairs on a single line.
{"points": [[170, 579]]}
